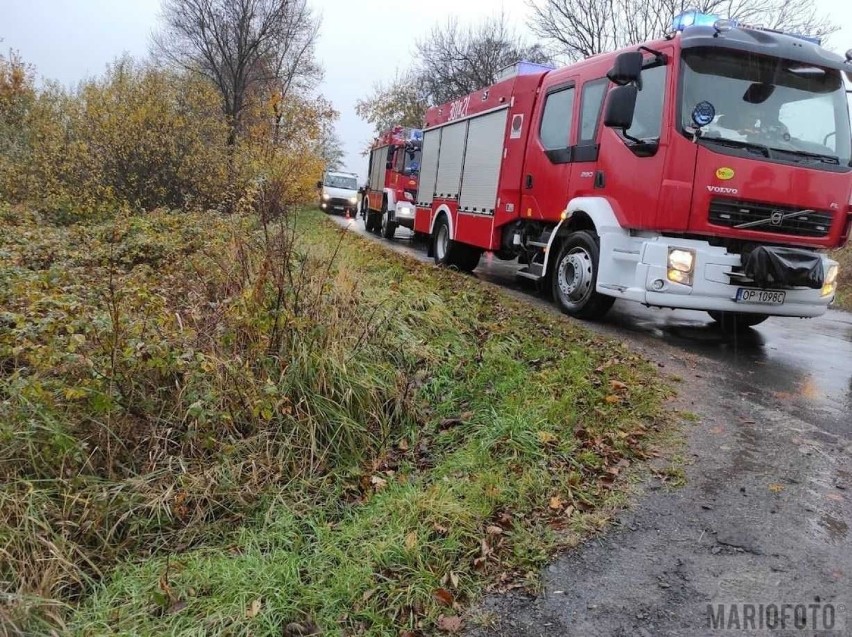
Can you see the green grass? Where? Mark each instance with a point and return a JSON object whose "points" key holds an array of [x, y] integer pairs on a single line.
{"points": [[844, 282], [409, 439]]}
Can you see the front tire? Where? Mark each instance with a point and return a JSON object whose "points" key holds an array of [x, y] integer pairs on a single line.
{"points": [[575, 277], [736, 321], [388, 227]]}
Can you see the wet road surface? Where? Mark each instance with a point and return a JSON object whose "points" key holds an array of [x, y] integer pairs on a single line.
{"points": [[764, 516]]}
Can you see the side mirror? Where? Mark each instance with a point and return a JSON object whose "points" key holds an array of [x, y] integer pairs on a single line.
{"points": [[627, 68], [389, 165], [319, 184], [362, 190], [620, 107]]}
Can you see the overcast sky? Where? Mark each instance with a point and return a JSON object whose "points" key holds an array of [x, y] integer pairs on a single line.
{"points": [[361, 41]]}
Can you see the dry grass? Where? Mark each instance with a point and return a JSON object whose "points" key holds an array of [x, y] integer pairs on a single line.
{"points": [[844, 285], [214, 424]]}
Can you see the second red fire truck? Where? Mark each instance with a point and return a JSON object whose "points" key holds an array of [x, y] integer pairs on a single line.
{"points": [[387, 201], [704, 170]]}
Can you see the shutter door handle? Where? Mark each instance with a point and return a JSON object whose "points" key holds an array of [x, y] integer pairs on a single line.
{"points": [[528, 182]]}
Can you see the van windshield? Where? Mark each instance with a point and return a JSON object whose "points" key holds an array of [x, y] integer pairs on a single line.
{"points": [[767, 104], [341, 181]]}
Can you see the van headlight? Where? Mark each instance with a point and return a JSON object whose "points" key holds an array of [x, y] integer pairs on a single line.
{"points": [[830, 284], [681, 265], [353, 199], [326, 196]]}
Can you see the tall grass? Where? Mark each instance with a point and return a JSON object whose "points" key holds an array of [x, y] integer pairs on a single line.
{"points": [[227, 425], [155, 385]]}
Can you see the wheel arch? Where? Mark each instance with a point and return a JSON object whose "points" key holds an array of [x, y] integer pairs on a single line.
{"points": [[594, 214]]}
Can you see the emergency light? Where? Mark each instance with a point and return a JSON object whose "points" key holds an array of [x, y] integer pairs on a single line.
{"points": [[695, 18]]}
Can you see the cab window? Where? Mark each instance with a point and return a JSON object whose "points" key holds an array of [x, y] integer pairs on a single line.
{"points": [[590, 108], [648, 116], [556, 119]]}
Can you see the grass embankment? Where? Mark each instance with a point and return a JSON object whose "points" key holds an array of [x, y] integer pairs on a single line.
{"points": [[206, 428], [844, 283]]}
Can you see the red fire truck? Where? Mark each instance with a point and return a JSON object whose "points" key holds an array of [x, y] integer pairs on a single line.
{"points": [[704, 170], [388, 199]]}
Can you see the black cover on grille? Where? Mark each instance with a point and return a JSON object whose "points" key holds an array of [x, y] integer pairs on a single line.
{"points": [[776, 266]]}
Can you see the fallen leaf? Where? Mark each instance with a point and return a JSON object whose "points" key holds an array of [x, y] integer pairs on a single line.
{"points": [[776, 488], [176, 607], [403, 445], [444, 596], [449, 624], [617, 385], [546, 438], [253, 609], [612, 399], [411, 540], [493, 529], [556, 503], [378, 483], [834, 496], [454, 579], [440, 529]]}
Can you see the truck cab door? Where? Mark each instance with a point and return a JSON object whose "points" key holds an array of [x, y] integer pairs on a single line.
{"points": [[586, 179], [633, 163], [549, 154]]}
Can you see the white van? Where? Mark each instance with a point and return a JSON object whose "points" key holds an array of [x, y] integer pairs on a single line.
{"points": [[339, 192]]}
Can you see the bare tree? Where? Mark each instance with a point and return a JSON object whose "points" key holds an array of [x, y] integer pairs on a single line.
{"points": [[331, 149], [454, 61], [581, 28], [242, 46], [402, 102]]}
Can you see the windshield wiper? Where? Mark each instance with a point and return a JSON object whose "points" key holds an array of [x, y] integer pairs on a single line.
{"points": [[736, 143], [826, 159]]}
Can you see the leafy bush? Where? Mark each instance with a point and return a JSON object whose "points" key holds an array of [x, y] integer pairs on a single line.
{"points": [[141, 137]]}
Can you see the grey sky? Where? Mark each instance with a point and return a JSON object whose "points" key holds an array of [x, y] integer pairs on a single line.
{"points": [[361, 41]]}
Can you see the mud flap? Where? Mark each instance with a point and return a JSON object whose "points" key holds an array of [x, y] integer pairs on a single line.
{"points": [[776, 266]]}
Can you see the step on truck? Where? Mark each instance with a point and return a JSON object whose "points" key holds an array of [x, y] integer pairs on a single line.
{"points": [[706, 170], [387, 200]]}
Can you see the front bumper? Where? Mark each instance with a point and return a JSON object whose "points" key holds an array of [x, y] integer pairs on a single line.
{"points": [[338, 204], [404, 214], [635, 268]]}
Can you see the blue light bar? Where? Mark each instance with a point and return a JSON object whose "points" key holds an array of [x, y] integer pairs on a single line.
{"points": [[693, 18]]}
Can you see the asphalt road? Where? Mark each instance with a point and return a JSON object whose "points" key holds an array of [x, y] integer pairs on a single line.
{"points": [[764, 515]]}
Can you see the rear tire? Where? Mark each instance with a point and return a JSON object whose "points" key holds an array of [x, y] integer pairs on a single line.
{"points": [[574, 278], [736, 321], [450, 253]]}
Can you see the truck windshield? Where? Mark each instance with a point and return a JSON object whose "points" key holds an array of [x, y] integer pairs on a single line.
{"points": [[767, 104], [412, 162], [341, 181]]}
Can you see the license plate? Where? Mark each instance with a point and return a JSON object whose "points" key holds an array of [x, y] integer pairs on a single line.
{"points": [[760, 297]]}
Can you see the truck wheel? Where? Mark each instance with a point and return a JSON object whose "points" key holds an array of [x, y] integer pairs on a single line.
{"points": [[465, 258], [575, 275], [736, 321], [441, 242], [449, 253], [388, 227]]}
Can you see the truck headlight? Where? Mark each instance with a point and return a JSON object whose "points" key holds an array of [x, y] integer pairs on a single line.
{"points": [[353, 199], [408, 196], [681, 265], [326, 196], [830, 284]]}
